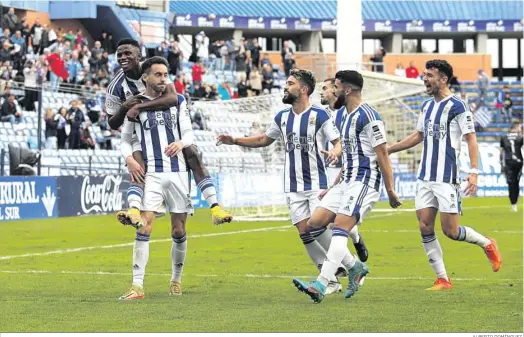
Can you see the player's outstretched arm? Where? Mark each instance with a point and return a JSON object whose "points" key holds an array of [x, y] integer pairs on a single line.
{"points": [[407, 143], [252, 141], [385, 167], [473, 148], [168, 100]]}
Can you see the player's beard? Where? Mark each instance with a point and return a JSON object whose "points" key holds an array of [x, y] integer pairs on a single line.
{"points": [[159, 88], [289, 98], [340, 102], [324, 101]]}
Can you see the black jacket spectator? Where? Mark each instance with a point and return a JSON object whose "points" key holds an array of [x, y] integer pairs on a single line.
{"points": [[8, 108], [51, 125]]}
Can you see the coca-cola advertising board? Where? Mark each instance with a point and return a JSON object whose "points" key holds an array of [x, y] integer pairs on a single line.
{"points": [[83, 195]]}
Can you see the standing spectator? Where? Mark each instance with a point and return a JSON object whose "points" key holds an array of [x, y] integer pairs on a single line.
{"points": [[483, 86], [76, 118], [70, 37], [255, 82], [53, 38], [265, 60], [174, 56], [9, 112], [267, 77], [255, 53], [26, 32], [378, 60], [286, 49], [18, 39], [31, 85], [143, 50], [36, 36], [162, 50], [6, 36], [61, 134], [80, 40], [241, 59], [51, 125], [288, 58], [106, 43], [179, 84], [74, 67], [97, 49], [197, 72], [44, 43], [400, 71], [58, 69], [411, 71], [503, 105], [11, 21], [242, 87], [202, 45]]}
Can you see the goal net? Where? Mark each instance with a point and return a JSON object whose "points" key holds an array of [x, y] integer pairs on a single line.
{"points": [[250, 181]]}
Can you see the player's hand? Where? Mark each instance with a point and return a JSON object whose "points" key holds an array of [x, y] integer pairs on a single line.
{"points": [[331, 157], [136, 171], [134, 100], [394, 200], [133, 113], [471, 187], [225, 139], [323, 193], [173, 149]]}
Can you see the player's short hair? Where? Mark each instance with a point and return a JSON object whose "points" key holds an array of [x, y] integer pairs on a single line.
{"points": [[306, 77], [331, 80], [442, 66], [146, 66], [351, 77], [128, 41]]}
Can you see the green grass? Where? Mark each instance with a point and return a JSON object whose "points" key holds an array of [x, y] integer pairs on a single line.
{"points": [[223, 293]]}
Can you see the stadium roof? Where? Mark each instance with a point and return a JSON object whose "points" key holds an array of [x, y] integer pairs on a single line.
{"points": [[371, 9]]}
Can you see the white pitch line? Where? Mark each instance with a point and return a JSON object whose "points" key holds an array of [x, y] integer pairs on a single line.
{"points": [[81, 249], [262, 276]]}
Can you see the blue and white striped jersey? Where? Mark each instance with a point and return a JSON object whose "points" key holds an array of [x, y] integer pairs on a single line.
{"points": [[120, 88], [443, 125], [304, 135], [156, 130], [362, 130], [336, 116]]}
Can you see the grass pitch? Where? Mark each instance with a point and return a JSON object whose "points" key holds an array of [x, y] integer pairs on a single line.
{"points": [[66, 275]]}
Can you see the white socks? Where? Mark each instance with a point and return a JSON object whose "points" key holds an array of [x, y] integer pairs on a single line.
{"points": [[178, 257], [470, 235], [434, 253], [140, 257], [208, 190], [338, 250]]}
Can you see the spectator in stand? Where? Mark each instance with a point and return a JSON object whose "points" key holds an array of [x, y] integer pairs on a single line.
{"points": [[96, 63], [106, 43], [26, 31], [242, 87], [31, 73], [18, 39], [265, 60], [400, 71], [242, 59], [174, 56], [143, 50], [267, 77], [202, 46], [255, 82], [162, 50], [179, 84], [411, 71], [57, 69], [7, 52], [198, 91], [378, 60], [9, 112], [76, 119], [503, 105], [97, 49], [210, 77], [36, 36], [225, 92], [75, 67], [11, 21], [80, 40], [483, 86], [61, 134], [51, 125], [224, 56], [286, 49], [5, 36], [52, 37], [70, 37], [197, 71], [288, 58], [255, 53]]}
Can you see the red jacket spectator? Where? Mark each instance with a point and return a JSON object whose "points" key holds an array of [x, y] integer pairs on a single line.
{"points": [[180, 86], [57, 66], [197, 72], [411, 71]]}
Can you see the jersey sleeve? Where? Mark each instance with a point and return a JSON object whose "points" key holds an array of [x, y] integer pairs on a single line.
{"points": [[126, 146], [113, 104], [329, 130], [420, 122], [376, 132], [274, 131], [465, 122]]}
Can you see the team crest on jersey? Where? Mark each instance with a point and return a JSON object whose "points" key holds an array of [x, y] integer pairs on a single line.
{"points": [[312, 120]]}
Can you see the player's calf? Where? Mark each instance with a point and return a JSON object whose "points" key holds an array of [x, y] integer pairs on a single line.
{"points": [[178, 252]]}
